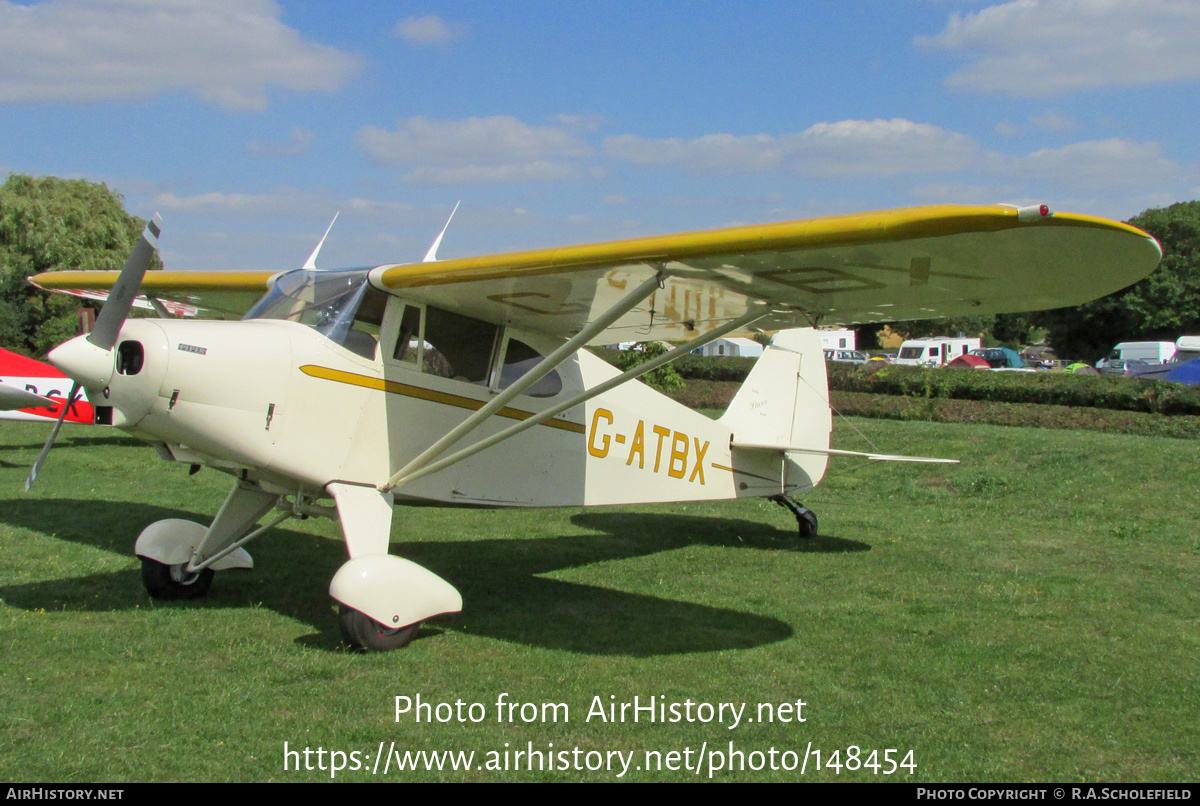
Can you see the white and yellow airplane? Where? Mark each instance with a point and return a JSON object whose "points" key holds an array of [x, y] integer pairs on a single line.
{"points": [[466, 381]]}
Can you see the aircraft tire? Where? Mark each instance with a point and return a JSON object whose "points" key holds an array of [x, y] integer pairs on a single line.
{"points": [[169, 582], [807, 521], [364, 633]]}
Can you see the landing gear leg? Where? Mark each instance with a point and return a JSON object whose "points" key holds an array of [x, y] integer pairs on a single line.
{"points": [[806, 519], [383, 598]]}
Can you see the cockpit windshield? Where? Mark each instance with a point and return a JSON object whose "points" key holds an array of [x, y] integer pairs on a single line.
{"points": [[341, 305]]}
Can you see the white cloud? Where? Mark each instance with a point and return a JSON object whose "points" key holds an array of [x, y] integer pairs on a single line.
{"points": [[1100, 165], [228, 52], [846, 148], [223, 205], [1034, 48], [538, 171], [877, 148], [585, 122], [427, 30], [298, 141], [1053, 121], [712, 153], [963, 193], [474, 150]]}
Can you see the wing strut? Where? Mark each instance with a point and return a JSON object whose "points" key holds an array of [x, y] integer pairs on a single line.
{"points": [[543, 368], [757, 311]]}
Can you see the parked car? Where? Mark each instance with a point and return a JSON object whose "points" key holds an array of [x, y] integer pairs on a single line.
{"points": [[1000, 357], [1122, 366], [847, 356]]}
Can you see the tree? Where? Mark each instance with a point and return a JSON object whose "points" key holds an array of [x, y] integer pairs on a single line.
{"points": [[946, 326], [665, 378], [1161, 307], [51, 224]]}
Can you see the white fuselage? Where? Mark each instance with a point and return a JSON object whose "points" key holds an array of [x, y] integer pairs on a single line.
{"points": [[278, 403]]}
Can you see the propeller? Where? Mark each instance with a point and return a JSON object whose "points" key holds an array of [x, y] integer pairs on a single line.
{"points": [[62, 415], [88, 360]]}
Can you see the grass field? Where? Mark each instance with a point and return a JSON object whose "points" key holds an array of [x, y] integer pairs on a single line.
{"points": [[1032, 614]]}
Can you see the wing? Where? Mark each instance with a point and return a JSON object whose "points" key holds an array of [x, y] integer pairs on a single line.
{"points": [[212, 294], [914, 263], [893, 265]]}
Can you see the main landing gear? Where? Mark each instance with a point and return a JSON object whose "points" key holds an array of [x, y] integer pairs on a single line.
{"points": [[806, 519], [362, 632], [383, 598], [164, 581]]}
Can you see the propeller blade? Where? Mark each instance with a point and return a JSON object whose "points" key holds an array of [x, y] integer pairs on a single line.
{"points": [[120, 298], [13, 398], [62, 415]]}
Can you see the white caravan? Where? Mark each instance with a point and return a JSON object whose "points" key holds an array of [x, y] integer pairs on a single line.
{"points": [[934, 352]]}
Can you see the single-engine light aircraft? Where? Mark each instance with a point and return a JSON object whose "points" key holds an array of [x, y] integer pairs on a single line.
{"points": [[467, 381]]}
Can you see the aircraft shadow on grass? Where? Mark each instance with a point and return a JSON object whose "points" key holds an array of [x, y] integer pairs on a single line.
{"points": [[75, 442], [504, 594]]}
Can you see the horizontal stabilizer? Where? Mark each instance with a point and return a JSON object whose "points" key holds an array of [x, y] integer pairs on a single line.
{"points": [[876, 457]]}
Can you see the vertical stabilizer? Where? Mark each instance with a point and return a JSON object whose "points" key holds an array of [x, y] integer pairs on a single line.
{"points": [[784, 403]]}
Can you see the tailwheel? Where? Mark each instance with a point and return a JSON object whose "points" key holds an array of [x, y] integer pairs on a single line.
{"points": [[362, 632], [164, 581], [806, 519]]}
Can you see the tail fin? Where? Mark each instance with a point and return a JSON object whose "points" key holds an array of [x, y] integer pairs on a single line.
{"points": [[784, 404]]}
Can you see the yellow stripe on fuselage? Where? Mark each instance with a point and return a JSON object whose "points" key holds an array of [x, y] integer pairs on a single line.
{"points": [[421, 393]]}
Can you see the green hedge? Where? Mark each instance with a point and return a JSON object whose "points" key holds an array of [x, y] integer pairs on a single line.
{"points": [[1112, 392], [1047, 388], [856, 404]]}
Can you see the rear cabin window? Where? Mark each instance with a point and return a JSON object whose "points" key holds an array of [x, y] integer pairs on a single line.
{"points": [[520, 358], [408, 343]]}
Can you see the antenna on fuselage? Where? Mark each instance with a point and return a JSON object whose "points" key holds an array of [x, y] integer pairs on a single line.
{"points": [[311, 263], [431, 255]]}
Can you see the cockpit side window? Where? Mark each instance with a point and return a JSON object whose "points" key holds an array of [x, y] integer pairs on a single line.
{"points": [[451, 345], [457, 346]]}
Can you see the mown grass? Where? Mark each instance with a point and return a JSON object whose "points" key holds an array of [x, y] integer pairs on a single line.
{"points": [[1031, 614]]}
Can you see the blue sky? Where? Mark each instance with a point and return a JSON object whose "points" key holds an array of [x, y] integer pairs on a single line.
{"points": [[248, 123]]}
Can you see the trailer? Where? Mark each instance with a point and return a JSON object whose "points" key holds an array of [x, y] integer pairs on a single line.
{"points": [[935, 352]]}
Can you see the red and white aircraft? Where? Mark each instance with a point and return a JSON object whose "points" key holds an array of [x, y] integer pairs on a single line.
{"points": [[33, 391]]}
